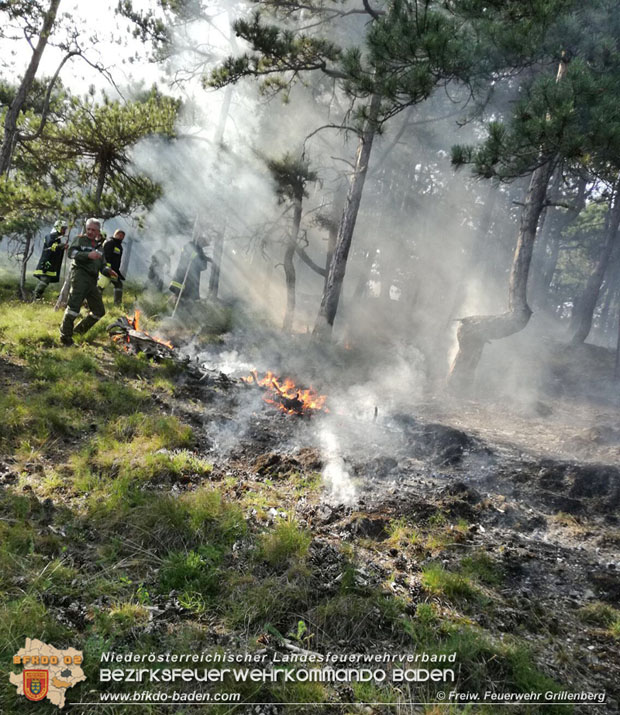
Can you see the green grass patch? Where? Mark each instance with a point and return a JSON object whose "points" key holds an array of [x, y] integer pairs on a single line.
{"points": [[481, 567], [286, 542], [598, 614], [401, 533], [601, 615], [454, 586], [132, 365], [133, 450], [194, 571], [121, 621], [253, 603]]}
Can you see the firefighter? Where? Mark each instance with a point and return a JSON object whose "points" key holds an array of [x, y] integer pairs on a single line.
{"points": [[158, 268], [113, 253], [88, 261], [50, 263], [186, 281]]}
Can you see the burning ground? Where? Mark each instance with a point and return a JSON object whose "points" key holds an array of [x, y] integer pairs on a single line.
{"points": [[168, 506]]}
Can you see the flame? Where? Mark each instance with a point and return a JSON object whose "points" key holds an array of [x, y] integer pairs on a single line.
{"points": [[134, 323], [285, 395]]}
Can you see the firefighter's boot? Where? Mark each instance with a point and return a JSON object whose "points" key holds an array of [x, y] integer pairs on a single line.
{"points": [[86, 323], [66, 327], [39, 289]]}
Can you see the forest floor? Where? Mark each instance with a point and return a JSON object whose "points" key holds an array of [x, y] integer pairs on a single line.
{"points": [[147, 510]]}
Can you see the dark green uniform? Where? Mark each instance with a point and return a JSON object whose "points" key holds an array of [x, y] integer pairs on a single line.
{"points": [[84, 274], [113, 254], [50, 263]]}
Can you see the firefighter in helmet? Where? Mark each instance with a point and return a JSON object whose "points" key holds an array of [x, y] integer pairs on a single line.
{"points": [[113, 253], [50, 263], [185, 283]]}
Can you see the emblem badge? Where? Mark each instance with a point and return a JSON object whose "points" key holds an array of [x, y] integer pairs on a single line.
{"points": [[36, 684]]}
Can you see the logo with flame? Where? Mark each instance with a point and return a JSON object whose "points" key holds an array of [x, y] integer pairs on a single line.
{"points": [[286, 396]]}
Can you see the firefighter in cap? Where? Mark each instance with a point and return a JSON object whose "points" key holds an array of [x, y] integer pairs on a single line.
{"points": [[50, 263], [185, 283], [113, 253], [87, 262]]}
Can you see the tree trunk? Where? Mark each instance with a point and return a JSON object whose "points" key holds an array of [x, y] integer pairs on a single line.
{"points": [[608, 320], [28, 247], [554, 234], [10, 121], [63, 296], [218, 252], [617, 365], [339, 202], [289, 267], [475, 331], [581, 322], [333, 285], [126, 260], [224, 113], [101, 177], [543, 242]]}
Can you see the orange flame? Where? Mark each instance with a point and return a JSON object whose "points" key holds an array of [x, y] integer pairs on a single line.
{"points": [[284, 394], [135, 325]]}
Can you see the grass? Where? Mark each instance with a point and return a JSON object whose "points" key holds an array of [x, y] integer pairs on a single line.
{"points": [[285, 543], [84, 431], [454, 586], [603, 616], [401, 533], [482, 568]]}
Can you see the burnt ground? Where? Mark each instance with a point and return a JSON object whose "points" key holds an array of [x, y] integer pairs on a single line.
{"points": [[537, 492], [535, 488]]}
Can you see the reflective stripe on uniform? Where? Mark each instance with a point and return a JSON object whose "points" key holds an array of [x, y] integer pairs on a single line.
{"points": [[52, 274], [174, 284], [72, 313]]}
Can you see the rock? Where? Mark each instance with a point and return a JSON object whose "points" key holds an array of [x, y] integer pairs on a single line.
{"points": [[369, 527]]}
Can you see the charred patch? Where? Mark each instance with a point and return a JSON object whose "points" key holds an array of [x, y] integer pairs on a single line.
{"points": [[443, 445]]}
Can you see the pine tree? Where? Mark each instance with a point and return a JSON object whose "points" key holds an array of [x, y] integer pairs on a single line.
{"points": [[96, 140], [569, 117], [407, 51], [291, 175]]}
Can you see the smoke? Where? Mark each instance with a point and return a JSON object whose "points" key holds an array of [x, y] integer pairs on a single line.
{"points": [[339, 486], [430, 245]]}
